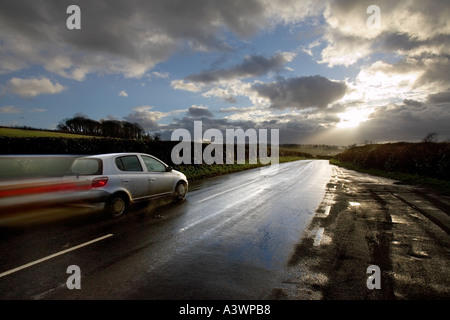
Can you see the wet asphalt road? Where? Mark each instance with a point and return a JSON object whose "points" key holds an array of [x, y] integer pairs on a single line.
{"points": [[308, 232], [230, 239]]}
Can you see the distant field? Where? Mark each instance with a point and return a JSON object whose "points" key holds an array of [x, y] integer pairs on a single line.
{"points": [[13, 132], [315, 150]]}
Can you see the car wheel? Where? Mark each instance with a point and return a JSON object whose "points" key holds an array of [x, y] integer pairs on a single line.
{"points": [[180, 191], [118, 205]]}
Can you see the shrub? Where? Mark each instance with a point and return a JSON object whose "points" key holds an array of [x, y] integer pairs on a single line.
{"points": [[427, 159]]}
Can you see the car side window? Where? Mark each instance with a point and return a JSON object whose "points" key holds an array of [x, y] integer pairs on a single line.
{"points": [[153, 165], [89, 166], [128, 163]]}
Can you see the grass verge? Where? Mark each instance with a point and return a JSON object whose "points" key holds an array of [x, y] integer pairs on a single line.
{"points": [[441, 186], [26, 133]]}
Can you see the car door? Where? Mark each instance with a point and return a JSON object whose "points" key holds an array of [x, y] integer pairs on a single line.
{"points": [[160, 180], [132, 175]]}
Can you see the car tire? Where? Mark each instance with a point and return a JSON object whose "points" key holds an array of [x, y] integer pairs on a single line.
{"points": [[117, 205], [180, 191]]}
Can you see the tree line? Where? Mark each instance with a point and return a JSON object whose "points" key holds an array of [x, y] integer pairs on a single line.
{"points": [[105, 128]]}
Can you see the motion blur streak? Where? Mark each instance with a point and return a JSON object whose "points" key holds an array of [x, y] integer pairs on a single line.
{"points": [[42, 187], [37, 187]]}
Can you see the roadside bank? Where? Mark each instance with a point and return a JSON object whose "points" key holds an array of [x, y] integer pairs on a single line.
{"points": [[368, 221]]}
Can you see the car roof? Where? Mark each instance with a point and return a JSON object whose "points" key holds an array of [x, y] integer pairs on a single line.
{"points": [[106, 156], [112, 155]]}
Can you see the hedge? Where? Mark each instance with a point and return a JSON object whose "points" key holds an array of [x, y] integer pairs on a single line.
{"points": [[83, 146], [427, 159]]}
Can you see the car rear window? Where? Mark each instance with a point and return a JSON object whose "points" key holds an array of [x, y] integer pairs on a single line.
{"points": [[85, 167]]}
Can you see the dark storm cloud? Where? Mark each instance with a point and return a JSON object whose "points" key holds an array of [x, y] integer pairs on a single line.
{"points": [[198, 111], [147, 119], [187, 123], [441, 97], [401, 122], [390, 41], [435, 71], [293, 131], [413, 103], [292, 128], [118, 36], [393, 41], [252, 66], [301, 92], [297, 131]]}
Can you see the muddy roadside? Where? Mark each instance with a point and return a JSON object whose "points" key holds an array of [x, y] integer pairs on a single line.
{"points": [[367, 221]]}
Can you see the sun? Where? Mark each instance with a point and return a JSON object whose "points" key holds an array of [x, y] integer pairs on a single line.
{"points": [[353, 117]]}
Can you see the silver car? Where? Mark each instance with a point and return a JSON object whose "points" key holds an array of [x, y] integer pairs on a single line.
{"points": [[120, 179]]}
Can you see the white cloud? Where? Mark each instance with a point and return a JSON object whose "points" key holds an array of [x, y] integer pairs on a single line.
{"points": [[231, 89], [38, 110], [344, 50], [407, 28], [159, 75], [256, 114], [382, 81], [65, 67], [33, 87], [123, 93], [10, 110], [148, 118], [187, 86]]}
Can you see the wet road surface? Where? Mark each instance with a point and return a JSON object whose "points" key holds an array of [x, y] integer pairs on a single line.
{"points": [[310, 231], [230, 239], [364, 221]]}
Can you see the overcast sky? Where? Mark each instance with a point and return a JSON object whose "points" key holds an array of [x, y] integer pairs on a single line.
{"points": [[327, 72]]}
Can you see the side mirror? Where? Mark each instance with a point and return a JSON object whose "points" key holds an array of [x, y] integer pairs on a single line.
{"points": [[169, 168]]}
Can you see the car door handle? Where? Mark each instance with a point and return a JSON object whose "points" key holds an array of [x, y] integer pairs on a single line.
{"points": [[126, 180], [152, 179]]}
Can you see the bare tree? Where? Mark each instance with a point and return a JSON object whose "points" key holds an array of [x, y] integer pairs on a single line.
{"points": [[107, 128], [431, 137]]}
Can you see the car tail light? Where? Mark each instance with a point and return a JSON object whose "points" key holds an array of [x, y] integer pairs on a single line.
{"points": [[99, 182]]}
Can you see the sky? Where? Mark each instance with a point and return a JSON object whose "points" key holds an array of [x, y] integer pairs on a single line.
{"points": [[321, 72]]}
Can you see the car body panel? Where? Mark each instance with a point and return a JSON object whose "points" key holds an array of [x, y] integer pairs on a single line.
{"points": [[134, 175], [91, 181]]}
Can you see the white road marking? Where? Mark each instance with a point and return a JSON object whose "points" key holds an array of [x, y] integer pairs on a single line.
{"points": [[53, 255], [319, 234]]}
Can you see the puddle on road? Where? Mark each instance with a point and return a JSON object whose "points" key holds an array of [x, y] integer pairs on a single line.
{"points": [[398, 220]]}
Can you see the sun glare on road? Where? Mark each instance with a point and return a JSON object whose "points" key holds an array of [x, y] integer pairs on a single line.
{"points": [[352, 118]]}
